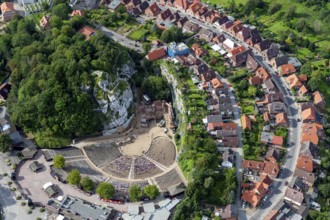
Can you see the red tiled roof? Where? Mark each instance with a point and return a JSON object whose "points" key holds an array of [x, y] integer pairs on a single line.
{"points": [[77, 12], [246, 122], [308, 114], [254, 165], [271, 169], [87, 31], [7, 7], [311, 132], [287, 69], [156, 54], [216, 83], [305, 163], [277, 140]]}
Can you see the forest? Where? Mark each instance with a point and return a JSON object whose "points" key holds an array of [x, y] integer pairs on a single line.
{"points": [[49, 71]]}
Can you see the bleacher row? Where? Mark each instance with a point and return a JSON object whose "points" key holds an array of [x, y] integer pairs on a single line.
{"points": [[102, 154], [68, 153], [162, 150]]}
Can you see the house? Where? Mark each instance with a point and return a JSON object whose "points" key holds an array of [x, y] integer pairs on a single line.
{"points": [[194, 8], [272, 52], [81, 13], [8, 11], [4, 91], [293, 82], [279, 61], [229, 44], [134, 3], [263, 74], [231, 142], [276, 107], [216, 83], [143, 6], [263, 45], [254, 39], [271, 169], [45, 22], [206, 34], [229, 213], [297, 184], [225, 26], [302, 78], [177, 49], [212, 119], [207, 76], [87, 32], [318, 100], [212, 126], [287, 69], [295, 62], [303, 90], [246, 122], [212, 16], [312, 132], [222, 20], [266, 137], [219, 39], [293, 196], [252, 166], [254, 196], [308, 115], [255, 80], [273, 97], [156, 54], [174, 18], [281, 119], [29, 152], [251, 64], [306, 150], [272, 155], [49, 189], [202, 68], [239, 57], [307, 177], [228, 129], [191, 27], [266, 117], [198, 50], [305, 163], [244, 34], [181, 4], [199, 14], [235, 28], [165, 15], [180, 23], [153, 10], [277, 140]]}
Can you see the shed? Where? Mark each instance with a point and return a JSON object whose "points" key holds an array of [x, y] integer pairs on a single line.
{"points": [[176, 189], [51, 191], [133, 209], [29, 152], [35, 166], [149, 207]]}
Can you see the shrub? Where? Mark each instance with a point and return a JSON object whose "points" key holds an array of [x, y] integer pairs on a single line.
{"points": [[18, 197], [13, 189], [23, 203], [41, 209], [29, 212], [5, 174], [9, 183]]}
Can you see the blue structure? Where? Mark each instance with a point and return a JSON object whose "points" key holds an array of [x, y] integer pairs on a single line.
{"points": [[174, 49]]}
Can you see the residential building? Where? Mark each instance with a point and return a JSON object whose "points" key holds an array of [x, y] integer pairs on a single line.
{"points": [[207, 76], [281, 120], [293, 82], [305, 163], [181, 4], [231, 142], [266, 137], [251, 64], [229, 213], [189, 26], [235, 28], [8, 11], [318, 100], [206, 34], [223, 19], [312, 132], [87, 32], [272, 52], [165, 14], [272, 155], [216, 83], [246, 123], [200, 69], [287, 69], [253, 167], [308, 115], [81, 13], [271, 169], [307, 177], [156, 54], [194, 8], [198, 50], [293, 196], [277, 140], [276, 107], [279, 61], [266, 117], [244, 34], [199, 14], [143, 6], [153, 10], [255, 80], [180, 23], [303, 90], [254, 39], [219, 39], [263, 74], [263, 45], [239, 56]]}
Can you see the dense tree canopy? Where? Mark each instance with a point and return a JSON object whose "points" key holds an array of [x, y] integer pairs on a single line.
{"points": [[135, 193], [74, 177], [151, 191], [49, 69], [87, 184], [5, 143], [105, 190]]}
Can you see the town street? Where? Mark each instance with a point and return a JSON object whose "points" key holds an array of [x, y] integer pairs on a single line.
{"points": [[120, 38]]}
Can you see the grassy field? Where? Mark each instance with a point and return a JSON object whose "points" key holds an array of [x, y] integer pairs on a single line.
{"points": [[137, 34]]}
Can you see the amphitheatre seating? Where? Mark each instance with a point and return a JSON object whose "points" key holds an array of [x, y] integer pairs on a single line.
{"points": [[119, 167], [102, 154], [168, 179], [123, 186], [144, 168], [162, 150], [70, 152], [83, 168]]}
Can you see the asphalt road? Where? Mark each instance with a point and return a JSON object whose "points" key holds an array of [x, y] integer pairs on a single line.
{"points": [[120, 38]]}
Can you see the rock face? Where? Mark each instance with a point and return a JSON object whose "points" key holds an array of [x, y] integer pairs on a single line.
{"points": [[115, 99]]}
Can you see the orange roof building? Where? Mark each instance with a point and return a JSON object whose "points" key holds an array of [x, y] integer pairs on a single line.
{"points": [[305, 163], [199, 52], [156, 54], [271, 169], [153, 10], [246, 122], [302, 77], [8, 11], [303, 90], [308, 115], [287, 69], [194, 8], [77, 13], [293, 81], [237, 50], [318, 99], [281, 119], [311, 132], [277, 140], [87, 32], [262, 73], [45, 22], [253, 165], [266, 116], [216, 83]]}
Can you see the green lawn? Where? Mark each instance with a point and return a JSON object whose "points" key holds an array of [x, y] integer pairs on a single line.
{"points": [[137, 34]]}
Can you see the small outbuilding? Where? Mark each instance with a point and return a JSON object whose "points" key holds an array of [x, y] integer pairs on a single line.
{"points": [[35, 166], [29, 152]]}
